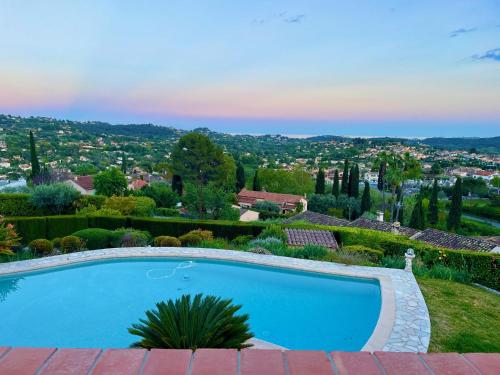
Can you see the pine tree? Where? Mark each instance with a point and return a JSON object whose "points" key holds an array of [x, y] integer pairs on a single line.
{"points": [[366, 202], [177, 184], [256, 181], [417, 220], [381, 175], [336, 187], [355, 182], [240, 177], [344, 189], [454, 217], [320, 182], [433, 204], [35, 165]]}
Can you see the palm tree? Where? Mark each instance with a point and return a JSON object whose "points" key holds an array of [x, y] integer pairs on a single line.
{"points": [[201, 322]]}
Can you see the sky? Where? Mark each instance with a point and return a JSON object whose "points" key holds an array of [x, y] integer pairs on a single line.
{"points": [[353, 67]]}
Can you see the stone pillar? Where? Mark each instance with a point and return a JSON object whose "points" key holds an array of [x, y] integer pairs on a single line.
{"points": [[410, 254], [380, 216]]}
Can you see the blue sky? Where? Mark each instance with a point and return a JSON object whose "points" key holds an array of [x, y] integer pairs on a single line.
{"points": [[410, 68]]}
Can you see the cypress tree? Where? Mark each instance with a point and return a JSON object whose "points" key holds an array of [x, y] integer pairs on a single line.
{"points": [[355, 182], [366, 202], [433, 204], [344, 189], [417, 220], [240, 177], [35, 165], [350, 184], [381, 175], [455, 214], [124, 164], [320, 182], [256, 181], [177, 184], [336, 187]]}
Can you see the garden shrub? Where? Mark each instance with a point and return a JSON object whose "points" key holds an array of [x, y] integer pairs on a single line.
{"points": [[273, 244], [126, 205], [216, 243], [93, 211], [393, 261], [241, 240], [274, 231], [167, 241], [312, 252], [56, 243], [95, 238], [55, 198], [144, 206], [70, 244], [17, 205], [374, 255], [84, 201], [259, 250], [41, 246], [205, 235], [129, 237], [190, 239]]}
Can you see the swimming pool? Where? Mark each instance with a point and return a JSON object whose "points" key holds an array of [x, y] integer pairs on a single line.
{"points": [[92, 304]]}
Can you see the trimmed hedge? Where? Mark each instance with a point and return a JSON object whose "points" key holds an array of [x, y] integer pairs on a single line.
{"points": [[374, 255], [483, 267], [17, 205]]}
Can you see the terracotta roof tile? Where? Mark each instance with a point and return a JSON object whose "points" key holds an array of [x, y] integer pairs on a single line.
{"points": [[382, 226], [301, 237], [453, 241], [320, 219]]}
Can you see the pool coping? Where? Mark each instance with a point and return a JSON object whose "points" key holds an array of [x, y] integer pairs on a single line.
{"points": [[403, 324]]}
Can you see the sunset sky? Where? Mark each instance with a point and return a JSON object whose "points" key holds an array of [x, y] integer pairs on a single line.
{"points": [[409, 68]]}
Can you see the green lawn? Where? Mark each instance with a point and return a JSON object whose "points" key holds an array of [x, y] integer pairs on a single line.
{"points": [[464, 318]]}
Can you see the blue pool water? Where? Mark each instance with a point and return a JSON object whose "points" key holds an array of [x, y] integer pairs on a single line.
{"points": [[93, 304]]}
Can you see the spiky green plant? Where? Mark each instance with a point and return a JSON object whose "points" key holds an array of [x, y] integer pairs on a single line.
{"points": [[192, 323]]}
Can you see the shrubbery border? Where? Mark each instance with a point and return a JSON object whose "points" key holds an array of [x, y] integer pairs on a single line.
{"points": [[484, 268]]}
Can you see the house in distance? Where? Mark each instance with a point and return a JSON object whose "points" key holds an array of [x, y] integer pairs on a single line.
{"points": [[286, 202]]}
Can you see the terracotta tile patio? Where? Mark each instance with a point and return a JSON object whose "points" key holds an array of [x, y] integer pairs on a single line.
{"points": [[50, 361]]}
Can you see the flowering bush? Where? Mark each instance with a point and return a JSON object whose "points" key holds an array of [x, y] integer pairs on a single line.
{"points": [[8, 238]]}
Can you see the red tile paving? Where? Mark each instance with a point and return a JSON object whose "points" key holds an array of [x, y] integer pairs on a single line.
{"points": [[24, 361], [448, 364], [71, 361], [43, 361], [486, 363], [355, 363], [176, 361], [402, 363], [303, 362], [262, 362], [120, 362], [215, 362]]}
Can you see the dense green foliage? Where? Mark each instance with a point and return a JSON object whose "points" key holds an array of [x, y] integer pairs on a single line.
{"points": [[55, 198], [320, 182], [366, 200], [240, 177], [433, 204], [336, 184], [70, 244], [417, 219], [256, 185], [455, 214], [374, 255], [95, 238], [167, 241], [480, 207], [192, 323], [296, 181], [41, 246], [35, 165], [161, 193], [17, 205], [110, 182], [344, 189]]}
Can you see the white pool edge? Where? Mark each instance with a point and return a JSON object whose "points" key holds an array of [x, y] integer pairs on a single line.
{"points": [[403, 324]]}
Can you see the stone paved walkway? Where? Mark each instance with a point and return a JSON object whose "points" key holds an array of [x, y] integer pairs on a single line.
{"points": [[403, 325]]}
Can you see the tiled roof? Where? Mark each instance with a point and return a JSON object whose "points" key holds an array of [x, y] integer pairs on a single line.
{"points": [[45, 361], [301, 237], [316, 218], [453, 241], [85, 182], [382, 226], [250, 196], [137, 184]]}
